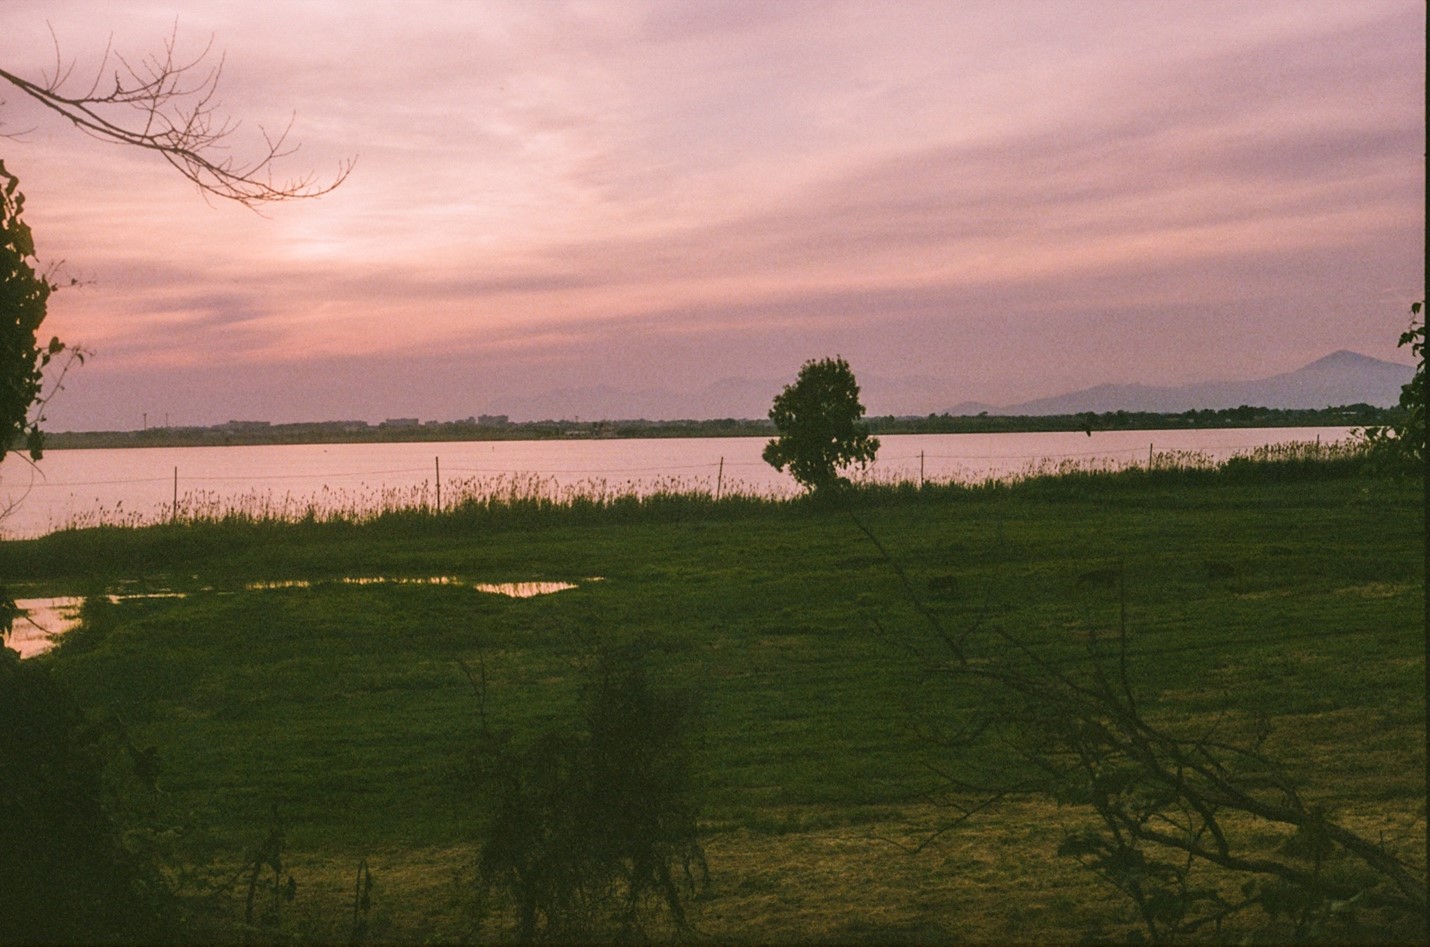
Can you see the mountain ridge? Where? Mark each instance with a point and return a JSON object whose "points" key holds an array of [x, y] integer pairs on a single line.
{"points": [[1342, 377]]}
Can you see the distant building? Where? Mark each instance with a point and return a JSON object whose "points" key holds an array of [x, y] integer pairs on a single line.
{"points": [[341, 427]]}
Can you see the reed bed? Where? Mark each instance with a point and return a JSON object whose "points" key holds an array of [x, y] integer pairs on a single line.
{"points": [[527, 499]]}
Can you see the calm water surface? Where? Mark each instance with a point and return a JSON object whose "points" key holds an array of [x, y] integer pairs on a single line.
{"points": [[77, 486]]}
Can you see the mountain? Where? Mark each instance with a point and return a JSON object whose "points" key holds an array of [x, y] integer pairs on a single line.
{"points": [[1339, 378]]}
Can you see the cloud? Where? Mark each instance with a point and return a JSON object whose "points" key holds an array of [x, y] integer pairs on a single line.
{"points": [[625, 189]]}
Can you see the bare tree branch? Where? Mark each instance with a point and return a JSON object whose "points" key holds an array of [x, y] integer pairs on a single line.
{"points": [[169, 105], [1182, 817]]}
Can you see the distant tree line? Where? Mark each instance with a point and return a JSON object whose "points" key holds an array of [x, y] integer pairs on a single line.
{"points": [[1350, 415], [496, 428]]}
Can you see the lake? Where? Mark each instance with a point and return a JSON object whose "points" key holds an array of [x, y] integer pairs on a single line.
{"points": [[82, 487]]}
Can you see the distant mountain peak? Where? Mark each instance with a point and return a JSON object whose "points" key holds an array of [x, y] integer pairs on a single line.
{"points": [[1345, 358], [1343, 377]]}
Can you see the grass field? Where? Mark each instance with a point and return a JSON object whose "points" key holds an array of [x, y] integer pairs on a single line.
{"points": [[279, 680]]}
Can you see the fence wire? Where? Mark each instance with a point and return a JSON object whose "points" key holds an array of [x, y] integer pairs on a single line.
{"points": [[883, 461]]}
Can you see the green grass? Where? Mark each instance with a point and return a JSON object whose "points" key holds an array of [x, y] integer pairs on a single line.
{"points": [[1298, 595]]}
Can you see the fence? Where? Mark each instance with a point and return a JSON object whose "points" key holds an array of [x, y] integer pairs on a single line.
{"points": [[264, 481]]}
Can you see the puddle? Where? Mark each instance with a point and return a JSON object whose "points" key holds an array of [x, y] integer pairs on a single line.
{"points": [[523, 589], [351, 580], [41, 620], [511, 589]]}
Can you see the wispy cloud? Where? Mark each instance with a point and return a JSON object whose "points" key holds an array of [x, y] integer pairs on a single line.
{"points": [[1008, 195]]}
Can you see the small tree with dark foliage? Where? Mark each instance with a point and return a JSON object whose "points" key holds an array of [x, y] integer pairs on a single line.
{"points": [[817, 418], [24, 298], [1402, 445], [591, 830]]}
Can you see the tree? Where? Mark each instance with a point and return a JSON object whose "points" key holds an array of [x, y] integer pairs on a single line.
{"points": [[817, 418], [1403, 443], [23, 297], [1410, 433]]}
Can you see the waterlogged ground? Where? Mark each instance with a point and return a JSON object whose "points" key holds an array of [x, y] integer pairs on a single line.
{"points": [[42, 621], [325, 670]]}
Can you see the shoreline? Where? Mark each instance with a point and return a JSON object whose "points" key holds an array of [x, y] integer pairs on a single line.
{"points": [[260, 433]]}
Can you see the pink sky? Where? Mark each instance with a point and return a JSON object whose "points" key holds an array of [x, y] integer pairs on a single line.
{"points": [[974, 200]]}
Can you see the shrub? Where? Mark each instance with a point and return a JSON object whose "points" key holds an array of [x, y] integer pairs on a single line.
{"points": [[591, 829], [65, 875]]}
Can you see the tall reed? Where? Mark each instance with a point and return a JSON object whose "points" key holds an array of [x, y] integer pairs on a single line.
{"points": [[515, 500]]}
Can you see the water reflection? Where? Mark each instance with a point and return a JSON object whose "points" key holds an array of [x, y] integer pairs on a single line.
{"points": [[351, 580], [523, 589], [511, 589], [42, 620]]}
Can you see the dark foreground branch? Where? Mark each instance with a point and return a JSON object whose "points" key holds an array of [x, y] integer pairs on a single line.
{"points": [[1181, 820], [169, 106]]}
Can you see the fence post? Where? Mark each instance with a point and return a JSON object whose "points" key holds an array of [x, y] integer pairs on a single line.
{"points": [[719, 479], [439, 483], [921, 470], [1149, 456], [174, 510]]}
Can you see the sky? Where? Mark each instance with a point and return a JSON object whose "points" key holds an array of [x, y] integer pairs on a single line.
{"points": [[992, 201]]}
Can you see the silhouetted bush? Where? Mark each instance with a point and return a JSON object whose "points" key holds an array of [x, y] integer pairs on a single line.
{"points": [[65, 875], [591, 829]]}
